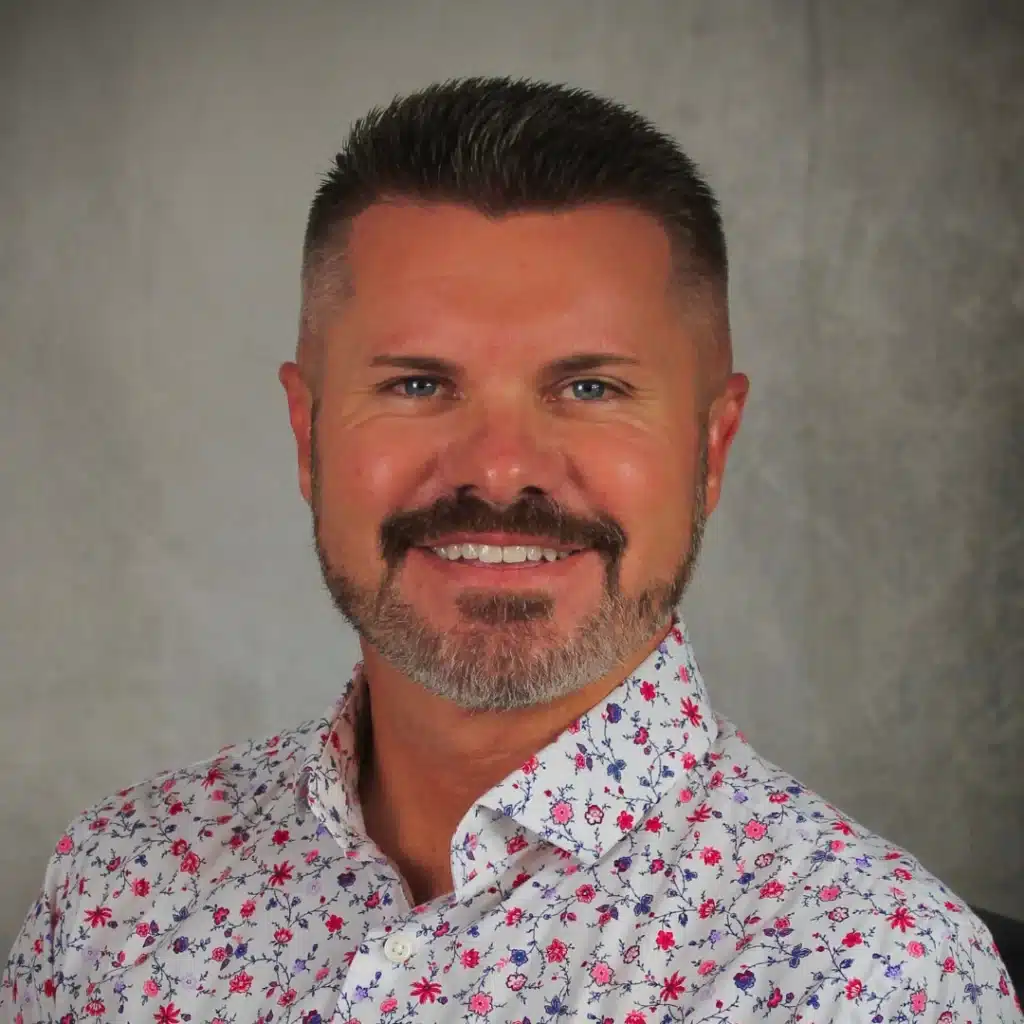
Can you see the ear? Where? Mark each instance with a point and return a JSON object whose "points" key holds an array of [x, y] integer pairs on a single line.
{"points": [[724, 419], [300, 414]]}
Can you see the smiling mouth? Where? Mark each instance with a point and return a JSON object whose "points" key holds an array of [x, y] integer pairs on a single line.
{"points": [[502, 554]]}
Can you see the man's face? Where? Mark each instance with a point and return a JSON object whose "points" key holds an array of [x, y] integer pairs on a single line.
{"points": [[508, 462]]}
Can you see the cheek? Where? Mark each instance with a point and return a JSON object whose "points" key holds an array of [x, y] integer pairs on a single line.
{"points": [[647, 486], [361, 481]]}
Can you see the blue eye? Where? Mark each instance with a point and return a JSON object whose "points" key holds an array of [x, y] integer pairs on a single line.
{"points": [[588, 390], [418, 387]]}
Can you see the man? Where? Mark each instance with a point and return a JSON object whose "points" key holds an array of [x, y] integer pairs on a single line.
{"points": [[513, 402]]}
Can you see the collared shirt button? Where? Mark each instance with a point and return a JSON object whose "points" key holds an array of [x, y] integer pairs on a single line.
{"points": [[398, 949]]}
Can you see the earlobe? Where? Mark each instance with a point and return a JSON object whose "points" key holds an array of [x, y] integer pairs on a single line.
{"points": [[300, 415]]}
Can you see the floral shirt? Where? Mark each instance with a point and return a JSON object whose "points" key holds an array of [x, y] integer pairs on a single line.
{"points": [[646, 867]]}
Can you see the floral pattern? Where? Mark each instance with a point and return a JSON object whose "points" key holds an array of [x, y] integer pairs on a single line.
{"points": [[646, 867]]}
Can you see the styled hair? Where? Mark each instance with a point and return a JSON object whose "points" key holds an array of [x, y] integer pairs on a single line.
{"points": [[504, 146]]}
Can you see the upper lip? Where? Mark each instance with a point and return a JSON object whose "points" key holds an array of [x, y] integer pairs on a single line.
{"points": [[500, 540]]}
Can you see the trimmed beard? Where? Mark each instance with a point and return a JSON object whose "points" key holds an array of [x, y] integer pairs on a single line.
{"points": [[505, 653]]}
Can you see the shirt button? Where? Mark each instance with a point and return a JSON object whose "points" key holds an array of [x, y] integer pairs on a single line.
{"points": [[397, 948]]}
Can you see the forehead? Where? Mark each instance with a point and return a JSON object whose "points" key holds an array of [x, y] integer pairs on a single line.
{"points": [[419, 265]]}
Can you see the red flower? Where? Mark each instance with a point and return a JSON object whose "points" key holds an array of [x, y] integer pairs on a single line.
{"points": [[647, 691], [529, 767], [514, 916], [247, 908], [99, 916], [287, 998], [710, 855], [771, 889], [470, 958], [852, 939], [624, 821], [948, 965], [425, 990], [334, 923], [95, 1008], [240, 982], [515, 844], [691, 711], [901, 919], [707, 908], [640, 736], [556, 951], [190, 863], [672, 988], [178, 847], [176, 808], [653, 824], [283, 936], [586, 893], [665, 940], [281, 837], [282, 873], [854, 988], [220, 953], [701, 814], [49, 988], [167, 1014], [220, 915], [140, 887], [373, 900]]}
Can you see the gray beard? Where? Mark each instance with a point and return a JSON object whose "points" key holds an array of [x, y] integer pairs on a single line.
{"points": [[505, 653]]}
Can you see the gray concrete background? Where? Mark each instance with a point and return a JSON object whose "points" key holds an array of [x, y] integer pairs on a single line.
{"points": [[859, 606]]}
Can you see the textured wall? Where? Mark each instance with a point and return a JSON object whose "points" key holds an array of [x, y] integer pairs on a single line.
{"points": [[859, 608]]}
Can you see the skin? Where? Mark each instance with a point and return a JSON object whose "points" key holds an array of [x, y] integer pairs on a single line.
{"points": [[502, 301]]}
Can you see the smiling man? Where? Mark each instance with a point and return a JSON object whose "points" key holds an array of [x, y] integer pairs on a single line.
{"points": [[513, 403]]}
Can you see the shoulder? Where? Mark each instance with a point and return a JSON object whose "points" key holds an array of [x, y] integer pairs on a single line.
{"points": [[117, 857], [882, 937]]}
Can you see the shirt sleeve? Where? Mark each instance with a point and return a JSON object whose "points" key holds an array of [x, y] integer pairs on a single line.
{"points": [[27, 986], [963, 981]]}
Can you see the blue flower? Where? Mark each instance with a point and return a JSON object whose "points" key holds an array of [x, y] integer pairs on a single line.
{"points": [[614, 715], [346, 878], [180, 944], [745, 980], [241, 949], [519, 956]]}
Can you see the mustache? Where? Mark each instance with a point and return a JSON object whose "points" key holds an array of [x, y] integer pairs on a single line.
{"points": [[532, 516]]}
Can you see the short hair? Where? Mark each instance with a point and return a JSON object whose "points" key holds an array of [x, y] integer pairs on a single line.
{"points": [[504, 146]]}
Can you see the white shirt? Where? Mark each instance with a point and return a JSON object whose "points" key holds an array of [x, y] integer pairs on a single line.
{"points": [[646, 867]]}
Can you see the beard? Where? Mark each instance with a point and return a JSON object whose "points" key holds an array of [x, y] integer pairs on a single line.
{"points": [[505, 652]]}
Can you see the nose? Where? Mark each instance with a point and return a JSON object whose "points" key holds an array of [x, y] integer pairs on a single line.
{"points": [[499, 453]]}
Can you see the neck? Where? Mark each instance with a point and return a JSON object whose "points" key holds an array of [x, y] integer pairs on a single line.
{"points": [[429, 761]]}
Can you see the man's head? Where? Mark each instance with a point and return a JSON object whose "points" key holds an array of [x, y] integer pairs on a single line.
{"points": [[514, 347]]}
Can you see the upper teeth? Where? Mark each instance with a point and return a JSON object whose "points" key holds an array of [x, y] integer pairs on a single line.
{"points": [[495, 553]]}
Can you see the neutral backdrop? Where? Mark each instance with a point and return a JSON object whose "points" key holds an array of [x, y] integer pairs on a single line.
{"points": [[858, 611]]}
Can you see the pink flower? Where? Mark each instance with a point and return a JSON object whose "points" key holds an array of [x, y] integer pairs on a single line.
{"points": [[915, 949], [150, 987], [919, 1001], [586, 893], [636, 1017], [706, 967], [755, 829], [389, 1005], [562, 812], [480, 1003], [828, 893], [594, 815], [601, 973], [854, 987], [514, 982], [65, 844]]}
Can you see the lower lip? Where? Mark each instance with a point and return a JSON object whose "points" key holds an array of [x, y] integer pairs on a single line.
{"points": [[494, 574]]}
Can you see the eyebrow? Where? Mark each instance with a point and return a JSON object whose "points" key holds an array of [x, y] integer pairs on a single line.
{"points": [[580, 363]]}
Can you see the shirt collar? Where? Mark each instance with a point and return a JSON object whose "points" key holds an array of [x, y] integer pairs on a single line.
{"points": [[605, 774], [595, 783]]}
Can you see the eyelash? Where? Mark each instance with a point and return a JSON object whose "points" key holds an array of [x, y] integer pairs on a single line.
{"points": [[391, 387]]}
